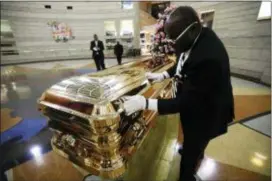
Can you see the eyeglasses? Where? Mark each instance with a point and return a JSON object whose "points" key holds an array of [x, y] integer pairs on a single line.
{"points": [[182, 33]]}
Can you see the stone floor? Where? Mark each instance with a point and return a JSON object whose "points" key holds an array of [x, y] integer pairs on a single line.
{"points": [[241, 154]]}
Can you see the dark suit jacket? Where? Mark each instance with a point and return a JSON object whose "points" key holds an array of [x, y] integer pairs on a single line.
{"points": [[118, 50], [100, 46], [205, 98]]}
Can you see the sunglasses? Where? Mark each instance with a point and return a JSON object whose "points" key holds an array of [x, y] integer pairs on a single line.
{"points": [[181, 34]]}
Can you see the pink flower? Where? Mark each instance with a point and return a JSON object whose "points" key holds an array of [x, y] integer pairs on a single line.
{"points": [[160, 15], [157, 27], [166, 48], [162, 34], [161, 25], [163, 16], [167, 9]]}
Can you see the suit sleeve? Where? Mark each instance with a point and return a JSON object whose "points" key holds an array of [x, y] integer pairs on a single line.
{"points": [[194, 90]]}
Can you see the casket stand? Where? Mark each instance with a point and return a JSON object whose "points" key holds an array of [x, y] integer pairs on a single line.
{"points": [[87, 117]]}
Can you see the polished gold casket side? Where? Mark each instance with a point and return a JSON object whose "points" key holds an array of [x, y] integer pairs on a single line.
{"points": [[87, 118]]}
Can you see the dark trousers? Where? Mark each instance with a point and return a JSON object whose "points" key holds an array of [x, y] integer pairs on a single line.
{"points": [[3, 176], [99, 62], [192, 152], [119, 59]]}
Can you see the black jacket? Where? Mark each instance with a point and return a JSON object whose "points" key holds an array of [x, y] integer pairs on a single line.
{"points": [[118, 50], [205, 98], [100, 46]]}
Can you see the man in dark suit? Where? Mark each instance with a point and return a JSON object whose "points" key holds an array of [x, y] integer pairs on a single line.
{"points": [[202, 89], [118, 51], [97, 47]]}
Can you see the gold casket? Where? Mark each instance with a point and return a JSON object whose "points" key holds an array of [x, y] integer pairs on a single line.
{"points": [[88, 121]]}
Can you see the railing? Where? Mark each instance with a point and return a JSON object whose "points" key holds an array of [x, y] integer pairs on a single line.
{"points": [[55, 54]]}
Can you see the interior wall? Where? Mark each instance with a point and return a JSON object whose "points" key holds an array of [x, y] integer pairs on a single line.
{"points": [[145, 5], [247, 40], [33, 36], [146, 19]]}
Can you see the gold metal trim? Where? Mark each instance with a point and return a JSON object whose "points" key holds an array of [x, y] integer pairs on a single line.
{"points": [[79, 114], [105, 142]]}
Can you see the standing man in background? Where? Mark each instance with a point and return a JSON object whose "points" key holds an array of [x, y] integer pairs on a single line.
{"points": [[97, 47], [118, 51]]}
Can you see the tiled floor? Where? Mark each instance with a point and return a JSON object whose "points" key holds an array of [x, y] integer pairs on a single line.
{"points": [[241, 154], [243, 148], [251, 105], [244, 87], [261, 124]]}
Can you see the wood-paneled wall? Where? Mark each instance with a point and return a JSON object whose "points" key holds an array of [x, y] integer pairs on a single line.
{"points": [[33, 36]]}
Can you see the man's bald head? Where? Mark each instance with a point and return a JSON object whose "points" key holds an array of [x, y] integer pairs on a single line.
{"points": [[184, 23], [179, 20]]}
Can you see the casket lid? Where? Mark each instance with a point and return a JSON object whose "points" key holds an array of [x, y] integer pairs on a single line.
{"points": [[94, 89]]}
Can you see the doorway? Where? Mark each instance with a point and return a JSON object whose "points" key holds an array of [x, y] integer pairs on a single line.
{"points": [[207, 18]]}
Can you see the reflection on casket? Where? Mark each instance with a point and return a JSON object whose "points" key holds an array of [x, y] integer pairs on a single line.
{"points": [[88, 120]]}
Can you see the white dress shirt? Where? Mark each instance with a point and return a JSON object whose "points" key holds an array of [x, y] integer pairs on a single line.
{"points": [[182, 59], [96, 46]]}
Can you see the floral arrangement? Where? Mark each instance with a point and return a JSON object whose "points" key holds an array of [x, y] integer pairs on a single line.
{"points": [[60, 31], [161, 46]]}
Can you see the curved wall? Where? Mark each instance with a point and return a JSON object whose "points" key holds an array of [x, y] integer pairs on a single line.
{"points": [[247, 40], [34, 41]]}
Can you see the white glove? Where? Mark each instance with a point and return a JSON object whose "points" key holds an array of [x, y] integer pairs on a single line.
{"points": [[156, 77], [133, 104], [136, 103]]}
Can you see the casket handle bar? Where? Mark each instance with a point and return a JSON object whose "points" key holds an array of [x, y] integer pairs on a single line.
{"points": [[79, 114]]}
